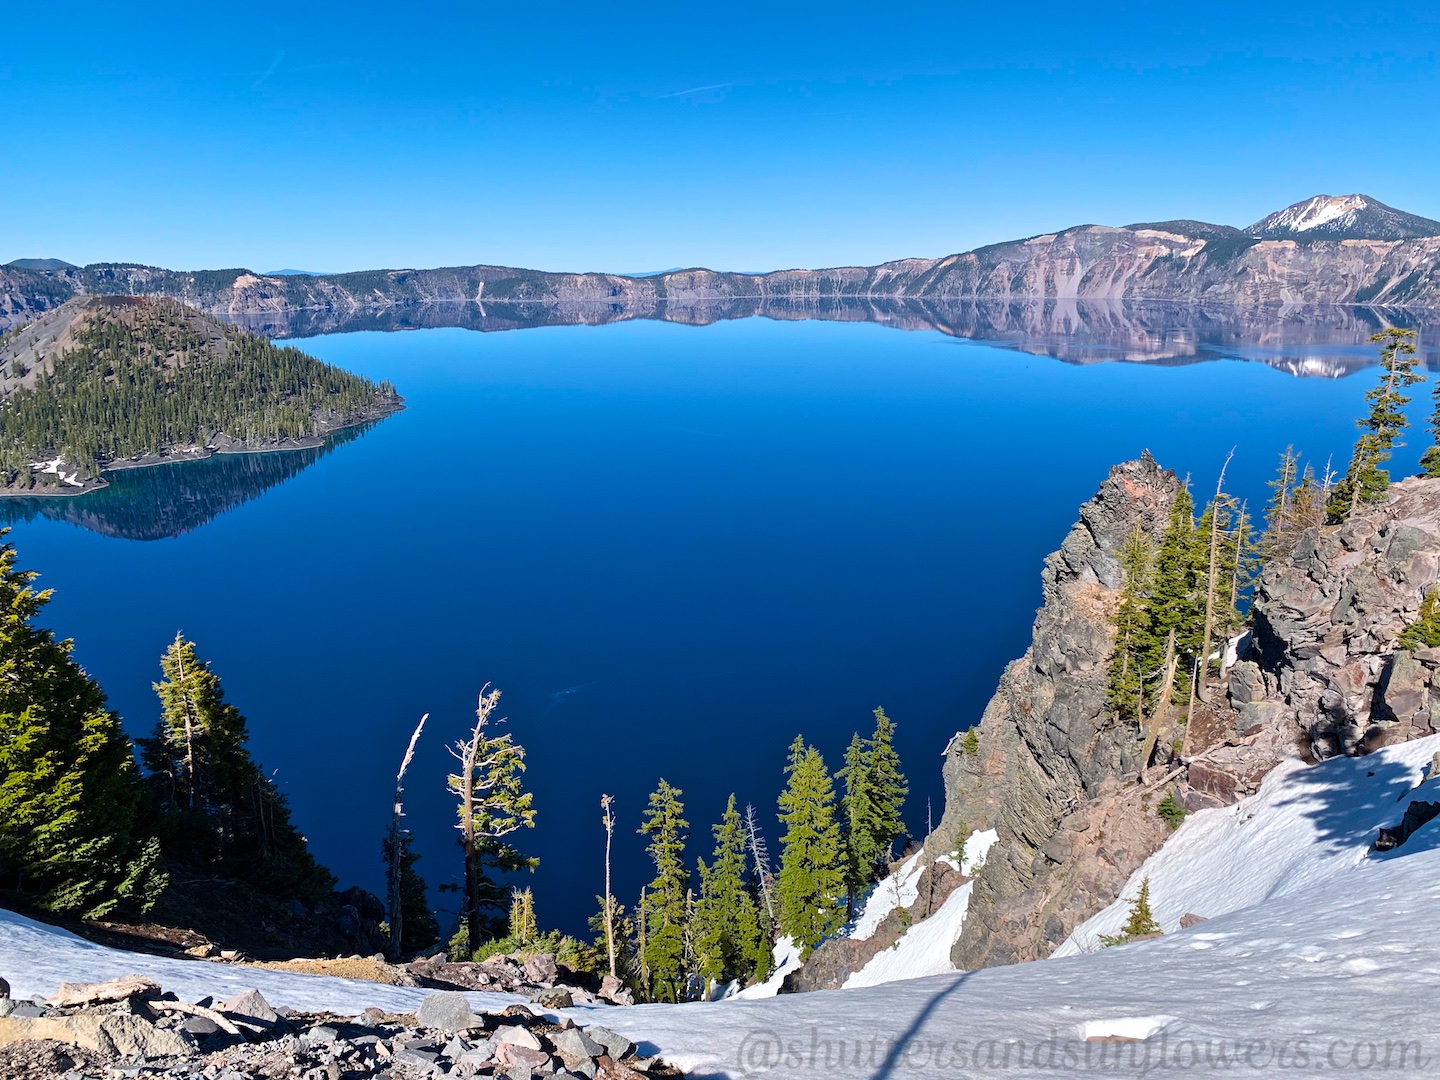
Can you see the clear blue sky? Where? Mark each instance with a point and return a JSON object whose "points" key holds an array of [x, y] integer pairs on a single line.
{"points": [[640, 136]]}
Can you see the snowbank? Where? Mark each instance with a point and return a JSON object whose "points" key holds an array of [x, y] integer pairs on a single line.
{"points": [[35, 959], [1306, 825], [922, 950]]}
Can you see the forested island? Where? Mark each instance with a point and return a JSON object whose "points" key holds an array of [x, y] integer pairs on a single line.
{"points": [[104, 383]]}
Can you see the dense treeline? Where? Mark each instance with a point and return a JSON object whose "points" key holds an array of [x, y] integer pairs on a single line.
{"points": [[153, 377]]}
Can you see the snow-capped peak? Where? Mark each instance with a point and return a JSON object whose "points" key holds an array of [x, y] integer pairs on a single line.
{"points": [[1343, 217]]}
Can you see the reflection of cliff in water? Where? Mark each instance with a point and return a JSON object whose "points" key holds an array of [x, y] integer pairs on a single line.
{"points": [[167, 500], [1304, 341]]}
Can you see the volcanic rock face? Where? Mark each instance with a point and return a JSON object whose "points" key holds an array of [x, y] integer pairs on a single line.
{"points": [[1059, 779], [1053, 773], [1326, 676]]}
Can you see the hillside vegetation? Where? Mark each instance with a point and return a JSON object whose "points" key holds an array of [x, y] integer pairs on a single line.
{"points": [[114, 379]]}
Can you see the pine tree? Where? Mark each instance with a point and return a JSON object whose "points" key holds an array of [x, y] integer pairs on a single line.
{"points": [[1141, 922], [1177, 599], [493, 804], [812, 877], [1424, 632], [419, 928], [726, 930], [871, 811], [970, 745], [217, 807], [72, 837], [1365, 480], [1132, 631], [663, 903]]}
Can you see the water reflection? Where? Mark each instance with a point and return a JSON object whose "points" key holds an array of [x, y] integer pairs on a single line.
{"points": [[1304, 341], [167, 500]]}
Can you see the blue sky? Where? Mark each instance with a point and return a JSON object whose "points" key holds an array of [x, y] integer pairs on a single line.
{"points": [[641, 136]]}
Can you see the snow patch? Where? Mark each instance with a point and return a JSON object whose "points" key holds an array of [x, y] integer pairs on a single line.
{"points": [[785, 958], [56, 468], [36, 959], [922, 950], [1137, 1028]]}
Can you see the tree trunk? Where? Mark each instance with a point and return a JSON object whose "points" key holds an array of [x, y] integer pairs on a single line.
{"points": [[605, 801], [1162, 704], [396, 914], [1202, 691]]}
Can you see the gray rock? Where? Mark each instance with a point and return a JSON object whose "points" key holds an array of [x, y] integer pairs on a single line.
{"points": [[447, 1010], [615, 1044], [511, 1055], [575, 1045], [541, 969], [319, 1035], [199, 1025], [250, 1007]]}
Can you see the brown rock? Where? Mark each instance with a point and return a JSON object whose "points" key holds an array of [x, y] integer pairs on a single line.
{"points": [[513, 1054]]}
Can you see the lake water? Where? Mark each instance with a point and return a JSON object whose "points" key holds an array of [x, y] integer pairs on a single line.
{"points": [[672, 547]]}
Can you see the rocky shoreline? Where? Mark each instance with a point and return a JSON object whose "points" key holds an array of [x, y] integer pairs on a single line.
{"points": [[220, 444]]}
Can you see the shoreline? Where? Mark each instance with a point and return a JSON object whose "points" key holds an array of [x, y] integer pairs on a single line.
{"points": [[310, 442]]}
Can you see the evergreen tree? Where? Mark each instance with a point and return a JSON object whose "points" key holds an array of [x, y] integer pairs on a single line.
{"points": [[663, 903], [871, 811], [1365, 480], [1141, 922], [1424, 632], [1132, 631], [217, 807], [812, 876], [493, 804], [419, 928], [726, 930], [72, 835]]}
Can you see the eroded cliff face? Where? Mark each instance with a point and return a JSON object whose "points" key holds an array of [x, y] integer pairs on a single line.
{"points": [[1184, 261], [1054, 775]]}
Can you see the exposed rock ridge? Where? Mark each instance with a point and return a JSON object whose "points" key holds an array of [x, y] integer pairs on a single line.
{"points": [[1051, 768], [1325, 675]]}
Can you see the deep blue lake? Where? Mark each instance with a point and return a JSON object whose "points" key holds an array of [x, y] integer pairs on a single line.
{"points": [[672, 548]]}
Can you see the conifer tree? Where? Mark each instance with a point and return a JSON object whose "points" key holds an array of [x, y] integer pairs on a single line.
{"points": [[493, 804], [216, 805], [872, 809], [812, 877], [1132, 630], [72, 835], [1365, 480], [1141, 922], [663, 902], [419, 928], [726, 932], [1177, 600]]}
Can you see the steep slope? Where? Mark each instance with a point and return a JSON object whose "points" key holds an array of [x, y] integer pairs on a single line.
{"points": [[1332, 978], [1343, 217]]}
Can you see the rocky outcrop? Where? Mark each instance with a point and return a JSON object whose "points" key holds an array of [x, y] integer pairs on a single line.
{"points": [[1325, 675], [1052, 773], [1061, 782]]}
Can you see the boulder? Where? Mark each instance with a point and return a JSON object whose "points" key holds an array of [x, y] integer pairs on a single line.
{"points": [[71, 995], [447, 1010], [615, 1044], [250, 1009], [541, 969], [110, 1034], [515, 1036], [511, 1055], [556, 997]]}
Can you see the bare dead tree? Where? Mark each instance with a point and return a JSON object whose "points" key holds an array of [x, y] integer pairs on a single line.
{"points": [[761, 857], [396, 847], [1202, 691], [1162, 706], [606, 802]]}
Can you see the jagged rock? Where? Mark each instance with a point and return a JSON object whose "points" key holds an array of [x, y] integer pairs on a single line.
{"points": [[518, 1036], [1052, 768], [4, 990], [123, 989], [447, 1010], [250, 1009], [616, 1045], [575, 1047], [511, 1054], [1190, 919], [541, 968], [615, 991]]}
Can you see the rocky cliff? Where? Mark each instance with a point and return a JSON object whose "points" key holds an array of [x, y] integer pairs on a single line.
{"points": [[1061, 782]]}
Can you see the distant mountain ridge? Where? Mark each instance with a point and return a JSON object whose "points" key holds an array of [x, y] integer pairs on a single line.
{"points": [[1323, 251]]}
